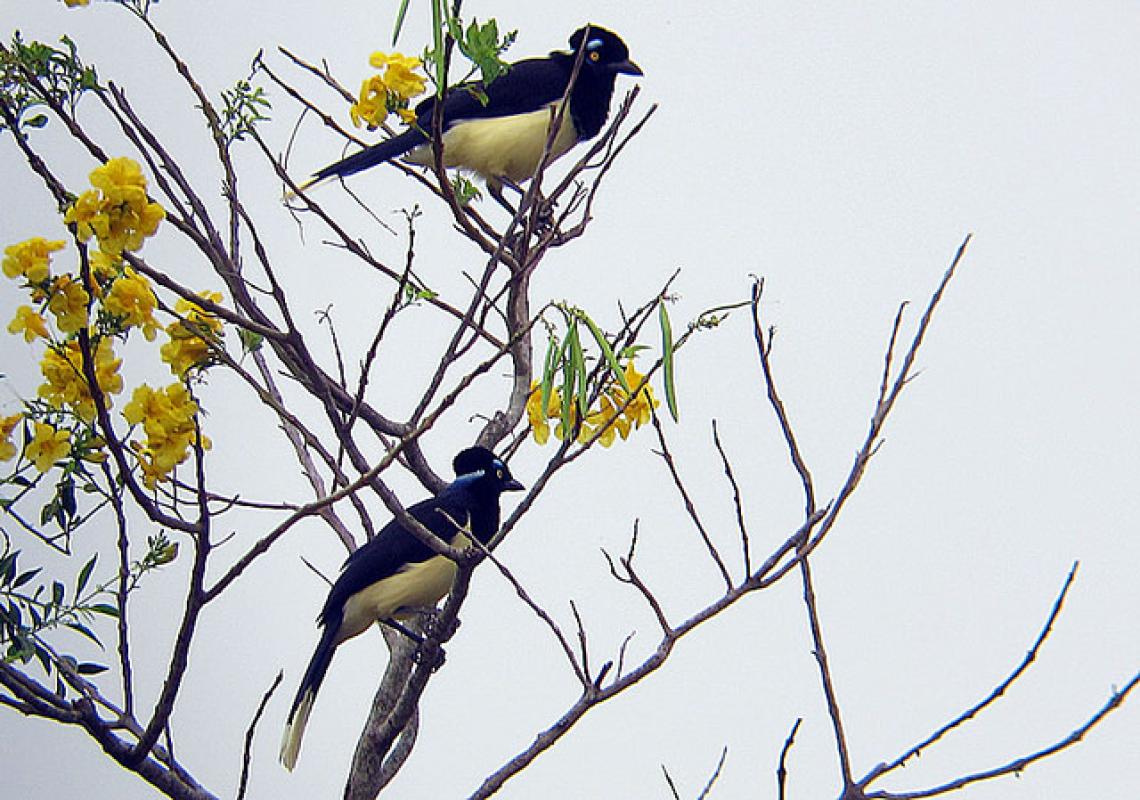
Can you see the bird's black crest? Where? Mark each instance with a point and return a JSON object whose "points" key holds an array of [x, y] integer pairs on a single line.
{"points": [[475, 459]]}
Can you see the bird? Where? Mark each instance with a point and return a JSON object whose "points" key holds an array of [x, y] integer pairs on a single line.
{"points": [[499, 130], [394, 573]]}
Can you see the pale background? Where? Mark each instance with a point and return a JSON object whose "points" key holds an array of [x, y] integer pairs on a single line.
{"points": [[843, 151]]}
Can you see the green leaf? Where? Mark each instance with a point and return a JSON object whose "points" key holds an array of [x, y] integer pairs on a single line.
{"points": [[57, 593], [38, 121], [87, 668], [578, 363], [607, 351], [400, 14], [25, 577], [84, 576], [105, 609], [550, 364], [667, 359], [81, 628]]}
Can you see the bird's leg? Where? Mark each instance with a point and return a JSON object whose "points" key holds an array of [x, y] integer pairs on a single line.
{"points": [[397, 626]]}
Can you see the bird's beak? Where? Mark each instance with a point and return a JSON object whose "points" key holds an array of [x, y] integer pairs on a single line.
{"points": [[627, 67], [513, 486]]}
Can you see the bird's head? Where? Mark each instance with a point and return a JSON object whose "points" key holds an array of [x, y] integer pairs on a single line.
{"points": [[605, 51], [480, 464]]}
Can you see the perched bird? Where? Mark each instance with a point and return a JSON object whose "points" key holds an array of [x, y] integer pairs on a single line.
{"points": [[395, 572], [500, 131]]}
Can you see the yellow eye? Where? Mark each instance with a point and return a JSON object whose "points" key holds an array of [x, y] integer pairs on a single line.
{"points": [[595, 56], [499, 474]]}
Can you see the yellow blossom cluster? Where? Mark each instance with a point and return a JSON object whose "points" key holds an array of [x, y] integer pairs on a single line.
{"points": [[75, 3], [117, 212], [131, 299], [64, 385], [67, 300], [29, 323], [609, 417], [29, 260], [167, 419], [7, 426], [192, 336], [389, 91]]}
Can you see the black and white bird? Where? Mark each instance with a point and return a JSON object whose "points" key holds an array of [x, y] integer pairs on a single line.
{"points": [[499, 131], [395, 573]]}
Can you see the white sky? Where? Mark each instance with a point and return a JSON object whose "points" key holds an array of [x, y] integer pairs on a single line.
{"points": [[842, 151]]}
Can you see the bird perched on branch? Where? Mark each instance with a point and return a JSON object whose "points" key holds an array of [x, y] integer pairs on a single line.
{"points": [[395, 573], [500, 130]]}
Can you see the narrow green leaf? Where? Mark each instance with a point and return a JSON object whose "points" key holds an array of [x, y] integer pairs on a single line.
{"points": [[549, 365], [607, 351], [88, 668], [81, 628], [84, 576], [105, 609], [578, 357], [567, 387], [25, 577], [400, 14], [667, 359]]}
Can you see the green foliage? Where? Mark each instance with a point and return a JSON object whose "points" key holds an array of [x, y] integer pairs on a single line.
{"points": [[37, 75], [243, 107], [483, 46], [31, 608], [667, 346]]}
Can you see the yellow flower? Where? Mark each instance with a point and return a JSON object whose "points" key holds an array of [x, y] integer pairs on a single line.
{"points": [[167, 418], [389, 91], [75, 3], [7, 425], [372, 106], [400, 78], [28, 322], [132, 299], [117, 211], [604, 418], [68, 301], [190, 340], [535, 414], [104, 270], [65, 385], [30, 259], [47, 446]]}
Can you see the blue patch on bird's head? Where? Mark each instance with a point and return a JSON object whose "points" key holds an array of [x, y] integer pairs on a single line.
{"points": [[470, 477], [594, 44]]}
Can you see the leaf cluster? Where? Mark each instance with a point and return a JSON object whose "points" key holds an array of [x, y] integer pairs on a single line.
{"points": [[35, 74]]}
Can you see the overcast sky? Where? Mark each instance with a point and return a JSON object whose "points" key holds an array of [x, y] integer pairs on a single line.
{"points": [[842, 151]]}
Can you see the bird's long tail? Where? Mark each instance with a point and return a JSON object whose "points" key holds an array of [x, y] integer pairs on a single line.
{"points": [[306, 694], [368, 157]]}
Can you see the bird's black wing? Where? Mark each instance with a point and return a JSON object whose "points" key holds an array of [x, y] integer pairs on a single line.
{"points": [[527, 86]]}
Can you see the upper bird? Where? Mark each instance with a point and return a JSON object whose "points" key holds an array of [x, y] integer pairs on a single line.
{"points": [[500, 131], [395, 573]]}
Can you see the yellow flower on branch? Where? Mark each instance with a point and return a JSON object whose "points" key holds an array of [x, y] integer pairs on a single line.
{"points": [[7, 426], [29, 323], [47, 446], [192, 338], [30, 259], [68, 301], [537, 416], [132, 299], [117, 212], [75, 3], [64, 384], [609, 417], [167, 418], [390, 91]]}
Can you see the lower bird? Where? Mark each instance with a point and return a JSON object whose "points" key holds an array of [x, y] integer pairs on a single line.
{"points": [[395, 573], [500, 130]]}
